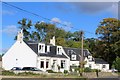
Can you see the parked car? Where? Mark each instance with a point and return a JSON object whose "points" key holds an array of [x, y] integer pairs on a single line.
{"points": [[114, 70], [16, 68], [31, 69]]}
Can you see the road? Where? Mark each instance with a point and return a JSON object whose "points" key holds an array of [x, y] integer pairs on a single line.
{"points": [[59, 79]]}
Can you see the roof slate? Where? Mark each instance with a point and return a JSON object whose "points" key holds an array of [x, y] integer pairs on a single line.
{"points": [[77, 52], [100, 61], [69, 51], [34, 46]]}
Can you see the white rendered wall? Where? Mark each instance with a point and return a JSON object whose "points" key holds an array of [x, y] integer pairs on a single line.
{"points": [[96, 66], [19, 55], [58, 62], [76, 63]]}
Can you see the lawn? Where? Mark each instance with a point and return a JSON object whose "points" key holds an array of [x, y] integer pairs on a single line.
{"points": [[44, 75]]}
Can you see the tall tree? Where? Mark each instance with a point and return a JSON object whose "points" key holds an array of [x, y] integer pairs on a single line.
{"points": [[45, 30], [109, 34], [25, 25]]}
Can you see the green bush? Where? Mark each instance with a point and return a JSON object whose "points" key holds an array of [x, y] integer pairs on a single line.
{"points": [[77, 69], [8, 73], [50, 71], [94, 70], [116, 64], [87, 69], [65, 71], [27, 73]]}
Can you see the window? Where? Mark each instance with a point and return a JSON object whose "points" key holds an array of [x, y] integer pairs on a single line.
{"points": [[58, 50], [62, 63], [42, 47], [89, 65], [73, 57], [48, 48], [39, 47], [103, 66], [47, 64], [42, 64]]}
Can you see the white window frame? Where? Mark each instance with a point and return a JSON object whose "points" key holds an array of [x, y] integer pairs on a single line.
{"points": [[73, 57], [63, 63], [103, 66]]}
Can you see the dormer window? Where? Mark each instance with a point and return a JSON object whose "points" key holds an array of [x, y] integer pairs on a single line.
{"points": [[73, 57], [59, 50], [48, 48], [41, 48]]}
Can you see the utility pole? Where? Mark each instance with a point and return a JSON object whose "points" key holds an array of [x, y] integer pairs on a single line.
{"points": [[81, 53], [82, 49]]}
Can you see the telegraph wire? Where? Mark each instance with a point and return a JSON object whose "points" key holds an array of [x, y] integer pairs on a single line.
{"points": [[41, 16], [31, 12]]}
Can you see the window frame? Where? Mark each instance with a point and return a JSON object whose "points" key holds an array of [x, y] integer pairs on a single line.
{"points": [[73, 57]]}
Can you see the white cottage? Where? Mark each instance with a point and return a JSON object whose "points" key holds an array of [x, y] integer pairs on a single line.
{"points": [[96, 63], [43, 56]]}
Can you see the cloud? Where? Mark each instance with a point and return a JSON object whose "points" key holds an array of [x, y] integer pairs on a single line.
{"points": [[8, 12], [87, 7], [56, 20], [11, 30], [92, 7], [68, 26], [3, 50], [114, 9]]}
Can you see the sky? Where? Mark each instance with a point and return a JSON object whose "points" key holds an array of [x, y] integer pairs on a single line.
{"points": [[84, 16]]}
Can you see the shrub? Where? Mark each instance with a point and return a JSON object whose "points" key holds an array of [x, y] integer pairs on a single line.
{"points": [[8, 73], [50, 71], [87, 69], [65, 71], [94, 70], [77, 69], [27, 73], [116, 64]]}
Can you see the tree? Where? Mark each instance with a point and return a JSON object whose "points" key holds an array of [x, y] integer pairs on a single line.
{"points": [[25, 25], [45, 30], [109, 31], [77, 35], [35, 36], [116, 63]]}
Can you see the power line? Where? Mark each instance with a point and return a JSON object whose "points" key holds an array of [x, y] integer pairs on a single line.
{"points": [[41, 16], [31, 13]]}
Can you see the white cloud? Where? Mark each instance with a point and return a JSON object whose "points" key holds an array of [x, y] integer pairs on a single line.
{"points": [[92, 7], [56, 20], [114, 9], [88, 7], [11, 30], [68, 26], [8, 12], [3, 50]]}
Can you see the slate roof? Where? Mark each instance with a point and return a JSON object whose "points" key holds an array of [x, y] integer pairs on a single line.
{"points": [[77, 52], [100, 61], [69, 51], [34, 46]]}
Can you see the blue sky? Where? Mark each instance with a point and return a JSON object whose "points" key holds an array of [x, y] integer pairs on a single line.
{"points": [[84, 16]]}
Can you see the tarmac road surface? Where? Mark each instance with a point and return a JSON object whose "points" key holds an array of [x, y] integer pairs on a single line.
{"points": [[59, 79]]}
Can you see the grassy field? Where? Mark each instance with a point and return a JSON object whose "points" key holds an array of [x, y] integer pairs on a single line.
{"points": [[58, 75], [47, 75]]}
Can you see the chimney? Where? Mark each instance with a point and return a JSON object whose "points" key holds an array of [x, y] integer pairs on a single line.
{"points": [[20, 36], [52, 41]]}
